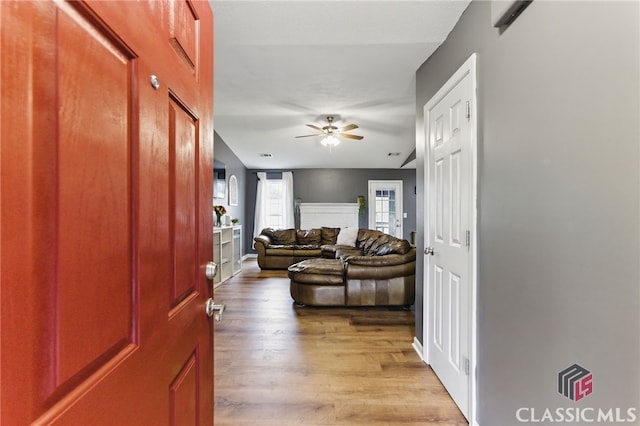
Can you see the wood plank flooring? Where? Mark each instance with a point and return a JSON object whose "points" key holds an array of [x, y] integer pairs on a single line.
{"points": [[278, 364]]}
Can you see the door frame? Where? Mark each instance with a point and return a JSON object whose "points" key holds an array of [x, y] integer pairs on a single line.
{"points": [[467, 68], [372, 186]]}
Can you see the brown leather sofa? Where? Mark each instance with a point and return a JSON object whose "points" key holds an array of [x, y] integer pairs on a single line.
{"points": [[281, 248], [379, 270]]}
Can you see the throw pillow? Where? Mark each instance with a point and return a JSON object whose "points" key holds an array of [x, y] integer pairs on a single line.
{"points": [[347, 237]]}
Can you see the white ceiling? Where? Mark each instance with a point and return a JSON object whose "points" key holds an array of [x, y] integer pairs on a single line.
{"points": [[282, 64]]}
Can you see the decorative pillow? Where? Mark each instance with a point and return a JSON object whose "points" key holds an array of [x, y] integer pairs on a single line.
{"points": [[347, 237], [310, 237], [280, 236], [329, 235]]}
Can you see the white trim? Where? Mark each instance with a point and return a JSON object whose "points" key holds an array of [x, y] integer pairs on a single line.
{"points": [[468, 68], [417, 346], [233, 190], [250, 256]]}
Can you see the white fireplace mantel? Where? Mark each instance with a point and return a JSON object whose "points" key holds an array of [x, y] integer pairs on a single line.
{"points": [[336, 215]]}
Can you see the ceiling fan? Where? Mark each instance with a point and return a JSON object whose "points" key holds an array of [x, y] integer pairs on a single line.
{"points": [[331, 132]]}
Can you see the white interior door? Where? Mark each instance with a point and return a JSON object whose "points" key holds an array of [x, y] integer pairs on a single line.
{"points": [[385, 206], [450, 223]]}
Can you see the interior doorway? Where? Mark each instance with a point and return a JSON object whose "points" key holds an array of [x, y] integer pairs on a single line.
{"points": [[450, 236]]}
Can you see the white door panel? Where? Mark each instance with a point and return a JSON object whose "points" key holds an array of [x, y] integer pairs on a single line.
{"points": [[448, 218]]}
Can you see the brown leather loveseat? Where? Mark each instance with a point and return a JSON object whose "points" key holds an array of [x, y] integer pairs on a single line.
{"points": [[281, 248]]}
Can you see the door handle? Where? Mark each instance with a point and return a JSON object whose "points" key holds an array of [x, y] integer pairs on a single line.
{"points": [[429, 251], [210, 270], [211, 308]]}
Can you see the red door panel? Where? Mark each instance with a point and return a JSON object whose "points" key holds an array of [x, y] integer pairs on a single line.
{"points": [[184, 394], [105, 194], [92, 199], [183, 137]]}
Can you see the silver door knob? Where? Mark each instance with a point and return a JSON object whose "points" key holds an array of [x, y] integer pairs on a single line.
{"points": [[211, 308], [428, 251], [210, 270], [155, 82]]}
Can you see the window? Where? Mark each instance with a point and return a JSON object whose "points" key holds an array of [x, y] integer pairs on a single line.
{"points": [[385, 208], [275, 204]]}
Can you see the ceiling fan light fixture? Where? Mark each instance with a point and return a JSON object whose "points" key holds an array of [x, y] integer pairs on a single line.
{"points": [[330, 141], [331, 133]]}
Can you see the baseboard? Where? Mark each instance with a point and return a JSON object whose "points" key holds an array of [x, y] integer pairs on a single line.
{"points": [[417, 346], [250, 256]]}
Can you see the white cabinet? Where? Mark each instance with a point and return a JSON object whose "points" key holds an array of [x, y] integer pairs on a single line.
{"points": [[227, 252]]}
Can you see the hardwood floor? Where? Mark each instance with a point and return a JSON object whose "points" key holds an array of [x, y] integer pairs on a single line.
{"points": [[278, 364]]}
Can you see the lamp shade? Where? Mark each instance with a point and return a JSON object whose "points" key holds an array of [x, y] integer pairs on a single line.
{"points": [[330, 141]]}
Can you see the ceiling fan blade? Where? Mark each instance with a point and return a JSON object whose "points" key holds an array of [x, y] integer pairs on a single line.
{"points": [[315, 127], [349, 127], [307, 136], [348, 136]]}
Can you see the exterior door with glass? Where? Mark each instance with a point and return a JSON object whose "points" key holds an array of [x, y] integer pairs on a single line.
{"points": [[385, 206]]}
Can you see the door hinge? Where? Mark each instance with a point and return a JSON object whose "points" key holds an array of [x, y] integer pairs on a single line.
{"points": [[467, 366], [468, 239], [468, 111]]}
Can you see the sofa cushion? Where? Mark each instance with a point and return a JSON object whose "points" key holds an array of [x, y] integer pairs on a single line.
{"points": [[310, 237], [347, 237], [367, 237], [318, 271], [307, 247], [280, 236], [344, 252], [394, 246], [329, 235], [388, 260], [307, 251], [280, 250], [318, 266], [372, 245]]}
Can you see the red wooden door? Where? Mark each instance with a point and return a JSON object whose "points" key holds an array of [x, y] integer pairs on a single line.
{"points": [[105, 197]]}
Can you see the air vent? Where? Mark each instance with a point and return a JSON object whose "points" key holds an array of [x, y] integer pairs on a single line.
{"points": [[393, 154], [266, 154]]}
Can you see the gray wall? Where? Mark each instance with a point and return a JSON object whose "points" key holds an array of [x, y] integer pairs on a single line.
{"points": [[234, 166], [338, 186], [559, 215]]}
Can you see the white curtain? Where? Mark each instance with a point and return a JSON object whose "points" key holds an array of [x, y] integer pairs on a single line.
{"points": [[261, 212], [287, 184], [261, 220]]}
